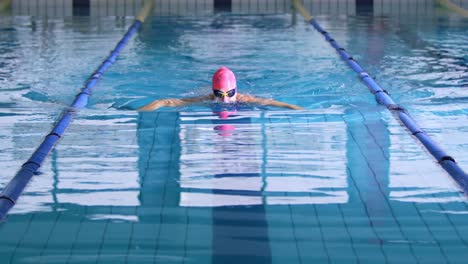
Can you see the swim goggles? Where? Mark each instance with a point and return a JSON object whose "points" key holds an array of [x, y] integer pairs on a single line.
{"points": [[222, 94]]}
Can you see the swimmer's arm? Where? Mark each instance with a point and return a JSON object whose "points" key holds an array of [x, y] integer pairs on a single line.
{"points": [[263, 101], [173, 102]]}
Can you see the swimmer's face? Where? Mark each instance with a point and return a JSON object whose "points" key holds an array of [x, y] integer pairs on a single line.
{"points": [[225, 95], [224, 86]]}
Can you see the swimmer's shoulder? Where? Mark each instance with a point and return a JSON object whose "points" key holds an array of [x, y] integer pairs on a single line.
{"points": [[202, 98], [246, 98]]}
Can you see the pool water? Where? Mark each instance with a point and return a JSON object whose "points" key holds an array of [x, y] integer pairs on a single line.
{"points": [[339, 182]]}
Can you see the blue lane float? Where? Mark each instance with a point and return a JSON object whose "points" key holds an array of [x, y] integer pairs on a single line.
{"points": [[446, 161], [15, 187]]}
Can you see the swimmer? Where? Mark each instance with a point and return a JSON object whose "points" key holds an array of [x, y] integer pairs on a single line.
{"points": [[224, 91]]}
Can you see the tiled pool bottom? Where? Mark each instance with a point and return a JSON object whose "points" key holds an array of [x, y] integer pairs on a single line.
{"points": [[322, 186]]}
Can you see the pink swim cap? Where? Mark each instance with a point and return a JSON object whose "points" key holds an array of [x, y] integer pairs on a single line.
{"points": [[224, 79]]}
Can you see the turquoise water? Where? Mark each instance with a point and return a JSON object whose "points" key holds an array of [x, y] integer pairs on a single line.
{"points": [[339, 182]]}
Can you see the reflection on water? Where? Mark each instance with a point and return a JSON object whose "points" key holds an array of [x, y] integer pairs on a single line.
{"points": [[100, 170], [170, 184], [227, 159], [252, 162]]}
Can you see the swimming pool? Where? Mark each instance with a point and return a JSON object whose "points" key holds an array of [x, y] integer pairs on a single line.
{"points": [[339, 182]]}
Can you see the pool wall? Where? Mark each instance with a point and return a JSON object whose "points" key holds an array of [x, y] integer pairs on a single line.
{"points": [[64, 8]]}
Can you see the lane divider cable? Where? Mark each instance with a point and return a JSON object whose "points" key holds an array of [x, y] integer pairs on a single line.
{"points": [[15, 187], [382, 96]]}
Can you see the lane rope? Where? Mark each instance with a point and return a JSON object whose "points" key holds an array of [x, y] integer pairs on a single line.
{"points": [[15, 187], [382, 96], [453, 7]]}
